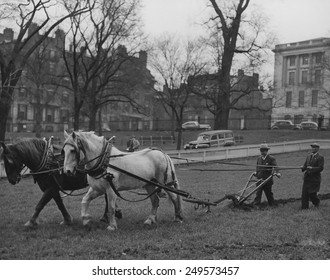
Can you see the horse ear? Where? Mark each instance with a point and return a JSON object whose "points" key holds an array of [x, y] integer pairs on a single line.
{"points": [[1, 151], [66, 135], [74, 136], [4, 147]]}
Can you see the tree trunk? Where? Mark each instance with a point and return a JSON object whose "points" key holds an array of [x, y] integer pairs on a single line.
{"points": [[179, 140], [4, 112], [38, 115], [92, 118]]}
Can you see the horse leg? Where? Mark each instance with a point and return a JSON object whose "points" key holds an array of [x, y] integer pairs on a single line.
{"points": [[176, 200], [46, 197], [91, 194], [152, 218], [105, 217], [59, 202], [111, 210]]}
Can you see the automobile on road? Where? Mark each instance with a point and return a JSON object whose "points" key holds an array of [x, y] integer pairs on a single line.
{"points": [[283, 124], [309, 126], [212, 138], [194, 125]]}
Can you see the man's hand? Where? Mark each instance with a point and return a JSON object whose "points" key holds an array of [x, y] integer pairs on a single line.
{"points": [[278, 175]]}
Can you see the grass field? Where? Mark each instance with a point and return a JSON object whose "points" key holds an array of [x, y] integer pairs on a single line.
{"points": [[282, 232]]}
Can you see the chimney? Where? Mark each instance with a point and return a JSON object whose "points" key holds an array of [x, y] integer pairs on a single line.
{"points": [[240, 73], [255, 79], [32, 28], [122, 51], [8, 35], [60, 37], [143, 57]]}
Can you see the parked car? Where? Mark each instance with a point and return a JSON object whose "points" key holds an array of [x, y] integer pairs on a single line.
{"points": [[309, 126], [194, 125], [283, 124], [297, 126], [212, 138]]}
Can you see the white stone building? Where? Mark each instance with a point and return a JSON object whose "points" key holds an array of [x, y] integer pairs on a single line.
{"points": [[302, 81]]}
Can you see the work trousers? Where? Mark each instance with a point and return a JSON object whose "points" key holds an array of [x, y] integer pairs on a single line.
{"points": [[267, 188], [307, 196]]}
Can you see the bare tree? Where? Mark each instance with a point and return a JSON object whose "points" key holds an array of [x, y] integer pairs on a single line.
{"points": [[95, 61], [232, 34], [14, 55], [174, 62]]}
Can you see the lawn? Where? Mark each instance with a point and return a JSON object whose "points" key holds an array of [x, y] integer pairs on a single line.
{"points": [[282, 232]]}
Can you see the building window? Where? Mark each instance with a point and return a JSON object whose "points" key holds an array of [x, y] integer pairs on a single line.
{"points": [[291, 77], [288, 102], [50, 95], [301, 100], [64, 116], [304, 59], [65, 98], [22, 93], [315, 94], [52, 53], [292, 61], [50, 115], [51, 67], [304, 76], [318, 58], [22, 112], [317, 78]]}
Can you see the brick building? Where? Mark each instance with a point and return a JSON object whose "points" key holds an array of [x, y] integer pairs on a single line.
{"points": [[43, 100]]}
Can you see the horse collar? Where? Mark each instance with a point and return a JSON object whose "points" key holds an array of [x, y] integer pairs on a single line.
{"points": [[99, 169], [45, 158]]}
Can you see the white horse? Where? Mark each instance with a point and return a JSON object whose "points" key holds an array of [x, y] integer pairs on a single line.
{"points": [[150, 164]]}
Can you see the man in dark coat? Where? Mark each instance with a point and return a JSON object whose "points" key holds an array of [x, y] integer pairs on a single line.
{"points": [[133, 144], [312, 167], [265, 165]]}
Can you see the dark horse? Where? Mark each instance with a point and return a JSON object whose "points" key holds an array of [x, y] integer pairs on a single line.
{"points": [[45, 162]]}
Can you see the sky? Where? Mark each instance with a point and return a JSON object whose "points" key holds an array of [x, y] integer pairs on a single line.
{"points": [[290, 20]]}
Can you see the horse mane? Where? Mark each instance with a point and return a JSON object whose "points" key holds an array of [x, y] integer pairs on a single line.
{"points": [[29, 150]]}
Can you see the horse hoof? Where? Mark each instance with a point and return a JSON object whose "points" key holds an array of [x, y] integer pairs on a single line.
{"points": [[179, 221], [150, 221], [111, 228], [31, 224], [86, 220], [68, 221]]}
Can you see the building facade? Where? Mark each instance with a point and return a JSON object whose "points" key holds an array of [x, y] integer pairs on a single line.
{"points": [[43, 99], [250, 109], [302, 81]]}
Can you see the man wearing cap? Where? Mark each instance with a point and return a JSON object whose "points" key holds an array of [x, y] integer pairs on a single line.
{"points": [[265, 165], [132, 144], [312, 167]]}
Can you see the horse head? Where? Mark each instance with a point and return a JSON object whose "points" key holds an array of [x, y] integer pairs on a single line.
{"points": [[71, 151], [13, 164]]}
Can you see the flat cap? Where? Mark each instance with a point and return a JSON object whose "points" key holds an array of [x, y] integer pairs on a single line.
{"points": [[315, 145], [264, 147]]}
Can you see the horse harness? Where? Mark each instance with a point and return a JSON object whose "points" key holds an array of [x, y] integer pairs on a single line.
{"points": [[100, 170]]}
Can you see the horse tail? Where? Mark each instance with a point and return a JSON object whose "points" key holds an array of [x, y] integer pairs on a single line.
{"points": [[170, 173]]}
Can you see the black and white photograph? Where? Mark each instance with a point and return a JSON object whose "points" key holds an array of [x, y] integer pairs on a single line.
{"points": [[164, 138]]}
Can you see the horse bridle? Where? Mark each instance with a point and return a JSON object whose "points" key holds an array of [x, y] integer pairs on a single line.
{"points": [[77, 148]]}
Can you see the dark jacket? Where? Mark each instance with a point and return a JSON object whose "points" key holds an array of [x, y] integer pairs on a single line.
{"points": [[265, 167], [313, 177]]}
